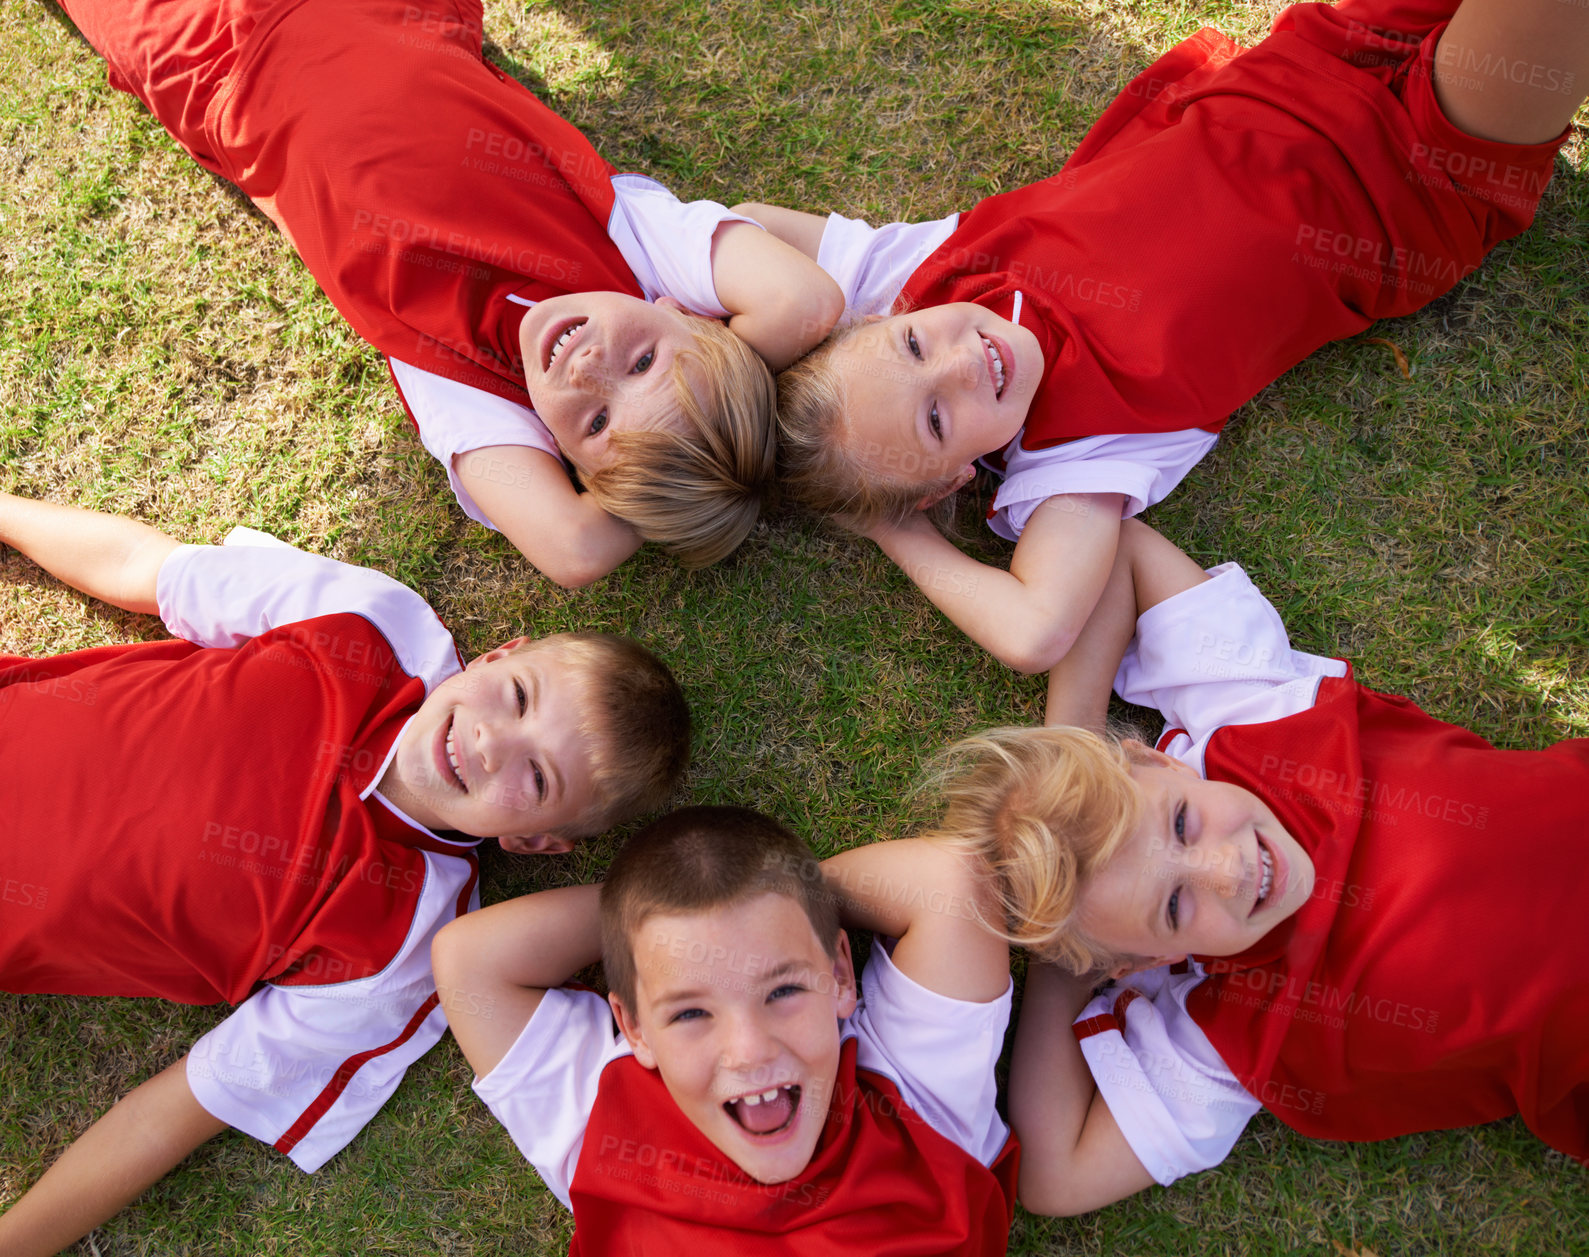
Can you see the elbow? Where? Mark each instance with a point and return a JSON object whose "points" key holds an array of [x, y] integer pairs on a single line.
{"points": [[574, 571], [1042, 1190], [1030, 651]]}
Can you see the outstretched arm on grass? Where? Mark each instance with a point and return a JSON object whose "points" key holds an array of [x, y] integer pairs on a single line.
{"points": [[119, 1157], [109, 557]]}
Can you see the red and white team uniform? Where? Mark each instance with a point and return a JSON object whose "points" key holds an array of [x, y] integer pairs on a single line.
{"points": [[198, 820], [914, 1158], [1231, 211], [432, 197], [1433, 979]]}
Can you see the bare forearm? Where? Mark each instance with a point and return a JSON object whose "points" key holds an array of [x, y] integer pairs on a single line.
{"points": [[780, 301], [592, 544], [934, 901], [1051, 1088], [1080, 684], [116, 1160], [494, 966], [108, 557], [1027, 619]]}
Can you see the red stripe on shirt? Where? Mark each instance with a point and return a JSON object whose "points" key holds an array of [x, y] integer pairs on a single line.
{"points": [[1100, 1024], [344, 1075]]}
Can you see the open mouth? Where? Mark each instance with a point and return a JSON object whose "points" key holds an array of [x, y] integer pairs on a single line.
{"points": [[765, 1112], [450, 750], [1266, 880], [558, 343], [990, 350]]}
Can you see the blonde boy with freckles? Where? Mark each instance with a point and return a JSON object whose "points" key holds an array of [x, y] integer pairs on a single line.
{"points": [[1310, 898], [736, 1092], [277, 809]]}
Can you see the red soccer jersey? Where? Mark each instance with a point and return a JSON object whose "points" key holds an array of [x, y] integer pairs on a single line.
{"points": [[1232, 211], [1435, 977], [882, 1181], [428, 193]]}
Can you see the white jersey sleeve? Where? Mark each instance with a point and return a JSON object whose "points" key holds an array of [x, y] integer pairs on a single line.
{"points": [[1217, 654], [543, 1090], [1144, 466], [455, 419], [939, 1052], [303, 1068], [668, 242], [224, 595], [872, 264], [1176, 1104]]}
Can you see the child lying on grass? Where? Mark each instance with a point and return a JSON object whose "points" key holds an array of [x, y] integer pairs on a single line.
{"points": [[750, 1099], [1313, 899], [535, 307], [277, 810], [1232, 211]]}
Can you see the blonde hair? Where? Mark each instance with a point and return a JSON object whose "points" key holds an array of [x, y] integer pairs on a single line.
{"points": [[697, 491], [698, 859], [634, 720], [818, 467], [1042, 810]]}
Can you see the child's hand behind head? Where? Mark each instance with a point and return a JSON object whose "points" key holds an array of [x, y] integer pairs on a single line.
{"points": [[891, 414], [666, 415], [540, 743]]}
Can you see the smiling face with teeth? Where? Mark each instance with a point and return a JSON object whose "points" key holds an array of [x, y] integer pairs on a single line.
{"points": [[1208, 871], [599, 363], [928, 393], [738, 1009], [496, 751]]}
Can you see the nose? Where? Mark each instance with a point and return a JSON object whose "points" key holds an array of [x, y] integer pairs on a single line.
{"points": [[746, 1048], [1223, 869], [588, 366], [964, 368], [493, 744]]}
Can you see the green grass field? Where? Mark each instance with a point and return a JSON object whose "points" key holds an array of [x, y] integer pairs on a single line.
{"points": [[164, 354]]}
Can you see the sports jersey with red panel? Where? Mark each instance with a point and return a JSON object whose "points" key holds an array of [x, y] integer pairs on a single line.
{"points": [[1232, 211], [198, 820], [1433, 979], [913, 1159]]}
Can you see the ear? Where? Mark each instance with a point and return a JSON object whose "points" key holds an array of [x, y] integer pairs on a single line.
{"points": [[673, 303], [630, 1029], [1126, 968], [507, 648], [844, 985], [536, 844], [962, 478]]}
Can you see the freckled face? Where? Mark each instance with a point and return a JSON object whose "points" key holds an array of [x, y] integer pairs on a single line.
{"points": [[1209, 870], [596, 363], [738, 1009], [929, 392]]}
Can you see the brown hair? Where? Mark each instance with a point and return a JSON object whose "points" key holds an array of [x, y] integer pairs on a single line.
{"points": [[1043, 810], [697, 859], [634, 719], [817, 464], [697, 487]]}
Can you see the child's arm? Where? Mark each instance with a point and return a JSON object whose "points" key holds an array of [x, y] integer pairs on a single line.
{"points": [[493, 966], [119, 1157], [795, 228], [1073, 1156], [108, 557], [780, 301], [929, 898], [1147, 570], [1029, 616], [527, 494]]}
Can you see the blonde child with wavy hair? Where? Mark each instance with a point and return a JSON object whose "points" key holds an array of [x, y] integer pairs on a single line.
{"points": [[1232, 211], [1310, 898]]}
